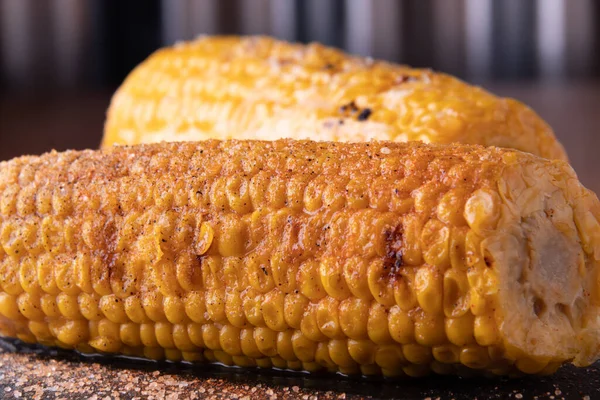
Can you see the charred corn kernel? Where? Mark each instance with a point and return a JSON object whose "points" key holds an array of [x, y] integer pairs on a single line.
{"points": [[376, 290], [269, 89]]}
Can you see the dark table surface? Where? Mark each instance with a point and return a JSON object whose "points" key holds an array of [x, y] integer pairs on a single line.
{"points": [[37, 373], [35, 124]]}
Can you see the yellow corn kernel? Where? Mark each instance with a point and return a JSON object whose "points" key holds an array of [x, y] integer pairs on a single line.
{"points": [[175, 309], [293, 309], [130, 334], [29, 306], [148, 335], [229, 339], [355, 269], [474, 356], [234, 309], [428, 286], [310, 326], [328, 318], [447, 353], [362, 351], [304, 348], [285, 348], [435, 239], [273, 310], [332, 279], [402, 327], [417, 354], [485, 330], [310, 282], [429, 330], [377, 325], [354, 317], [266, 341], [182, 340], [460, 330]]}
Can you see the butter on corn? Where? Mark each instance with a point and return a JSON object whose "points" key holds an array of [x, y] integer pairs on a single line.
{"points": [[304, 255], [261, 88]]}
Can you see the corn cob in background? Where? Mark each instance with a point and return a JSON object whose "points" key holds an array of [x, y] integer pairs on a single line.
{"points": [[374, 258], [261, 88]]}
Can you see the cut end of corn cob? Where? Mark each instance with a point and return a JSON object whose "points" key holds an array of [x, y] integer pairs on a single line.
{"points": [[367, 258], [262, 88]]}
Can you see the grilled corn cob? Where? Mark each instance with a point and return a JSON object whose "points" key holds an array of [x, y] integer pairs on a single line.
{"points": [[374, 258], [261, 88]]}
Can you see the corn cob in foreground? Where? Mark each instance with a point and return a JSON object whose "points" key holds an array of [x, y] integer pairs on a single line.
{"points": [[262, 88], [373, 258]]}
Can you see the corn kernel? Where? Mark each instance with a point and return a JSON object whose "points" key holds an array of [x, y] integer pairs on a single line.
{"points": [[428, 286], [113, 308], [229, 339], [273, 310], [332, 279], [130, 334], [293, 307], [460, 330], [353, 318], [377, 326], [266, 341]]}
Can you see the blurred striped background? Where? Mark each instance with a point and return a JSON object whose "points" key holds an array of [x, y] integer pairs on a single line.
{"points": [[95, 43]]}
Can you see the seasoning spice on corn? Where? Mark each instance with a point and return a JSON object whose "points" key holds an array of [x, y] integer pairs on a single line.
{"points": [[261, 88], [367, 258]]}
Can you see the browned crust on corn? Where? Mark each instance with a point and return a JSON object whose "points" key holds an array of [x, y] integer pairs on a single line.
{"points": [[373, 258]]}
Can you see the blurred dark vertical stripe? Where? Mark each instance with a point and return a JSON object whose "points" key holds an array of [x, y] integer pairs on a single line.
{"points": [[449, 33], [229, 16], [130, 32], [513, 39], [596, 45], [417, 18]]}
